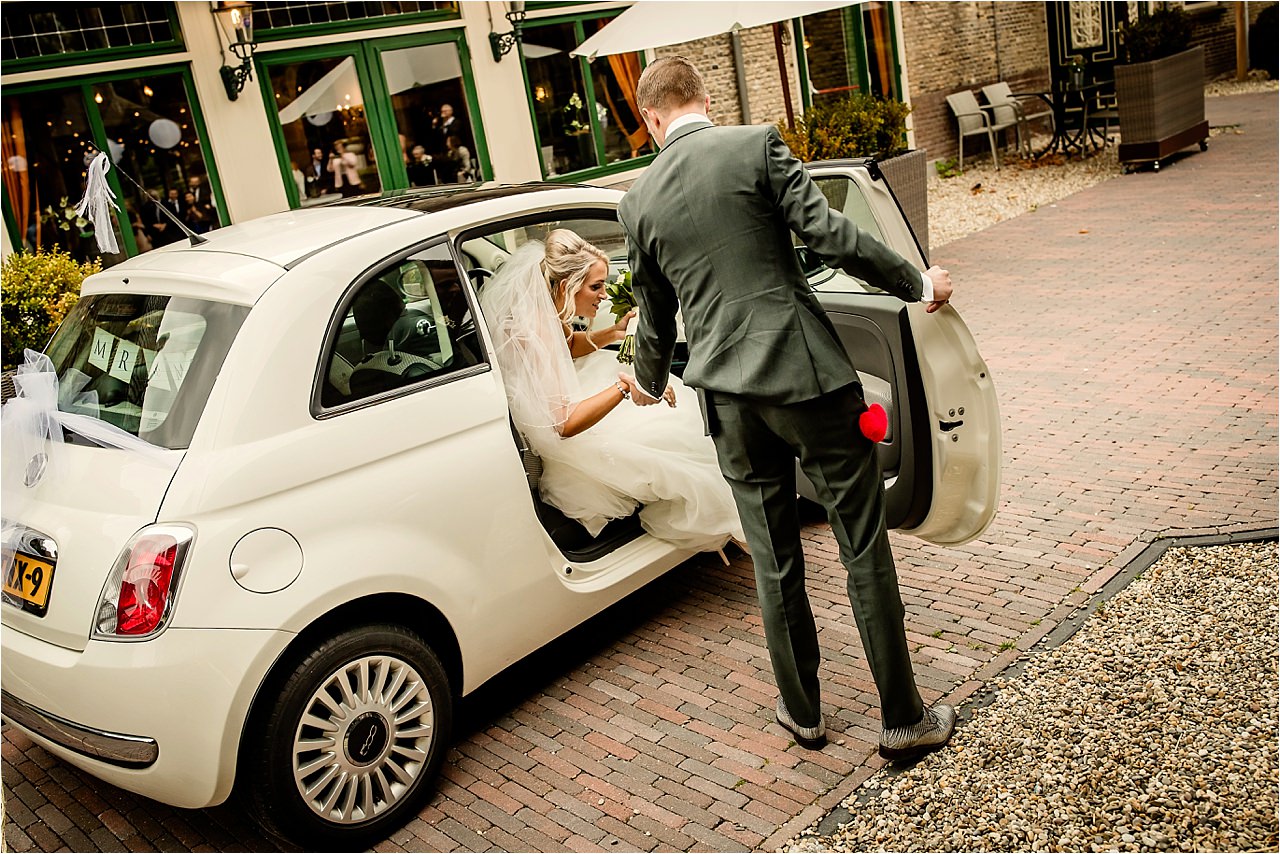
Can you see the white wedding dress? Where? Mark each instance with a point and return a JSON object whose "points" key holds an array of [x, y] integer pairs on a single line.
{"points": [[655, 457]]}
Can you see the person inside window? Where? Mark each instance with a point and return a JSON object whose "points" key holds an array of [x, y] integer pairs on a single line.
{"points": [[419, 168], [460, 158], [343, 167]]}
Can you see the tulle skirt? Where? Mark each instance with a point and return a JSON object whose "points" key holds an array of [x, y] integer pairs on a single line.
{"points": [[656, 457]]}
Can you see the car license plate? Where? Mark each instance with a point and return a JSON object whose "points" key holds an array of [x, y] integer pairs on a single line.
{"points": [[29, 578]]}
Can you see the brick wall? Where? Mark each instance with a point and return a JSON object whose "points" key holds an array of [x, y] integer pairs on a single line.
{"points": [[952, 46], [714, 58], [1214, 27]]}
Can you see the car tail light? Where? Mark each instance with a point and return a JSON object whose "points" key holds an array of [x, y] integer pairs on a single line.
{"points": [[139, 595]]}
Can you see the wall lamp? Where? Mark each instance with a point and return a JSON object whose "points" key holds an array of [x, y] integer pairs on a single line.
{"points": [[235, 19], [503, 43]]}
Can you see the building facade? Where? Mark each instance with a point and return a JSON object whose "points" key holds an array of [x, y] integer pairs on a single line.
{"points": [[349, 98]]}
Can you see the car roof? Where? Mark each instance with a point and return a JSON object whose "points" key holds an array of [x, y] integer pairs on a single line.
{"points": [[286, 238], [238, 262]]}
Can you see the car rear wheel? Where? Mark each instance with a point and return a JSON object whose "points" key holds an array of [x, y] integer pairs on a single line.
{"points": [[353, 739]]}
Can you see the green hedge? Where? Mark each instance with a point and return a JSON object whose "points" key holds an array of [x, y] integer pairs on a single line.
{"points": [[857, 126], [38, 289]]}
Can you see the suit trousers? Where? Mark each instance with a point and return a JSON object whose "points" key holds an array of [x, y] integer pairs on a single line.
{"points": [[757, 444]]}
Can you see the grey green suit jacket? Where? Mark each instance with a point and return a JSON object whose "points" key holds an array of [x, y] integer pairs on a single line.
{"points": [[709, 228]]}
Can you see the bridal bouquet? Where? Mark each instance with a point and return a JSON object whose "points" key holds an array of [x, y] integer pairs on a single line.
{"points": [[621, 301]]}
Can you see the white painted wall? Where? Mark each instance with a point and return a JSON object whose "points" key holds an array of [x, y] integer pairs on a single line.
{"points": [[239, 136]]}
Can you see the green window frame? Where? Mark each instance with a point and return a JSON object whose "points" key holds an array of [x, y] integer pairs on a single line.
{"points": [[101, 139], [379, 112], [88, 57], [270, 34], [584, 66]]}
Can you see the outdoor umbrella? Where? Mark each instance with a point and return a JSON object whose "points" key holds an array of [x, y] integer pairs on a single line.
{"points": [[657, 24]]}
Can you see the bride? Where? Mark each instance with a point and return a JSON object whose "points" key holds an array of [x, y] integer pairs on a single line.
{"points": [[600, 459]]}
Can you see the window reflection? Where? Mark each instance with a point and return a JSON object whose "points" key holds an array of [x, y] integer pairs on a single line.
{"points": [[437, 144], [574, 134], [322, 116], [150, 134], [47, 146], [153, 139], [559, 99]]}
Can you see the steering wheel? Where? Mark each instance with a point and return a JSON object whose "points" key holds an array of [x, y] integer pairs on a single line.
{"points": [[479, 274]]}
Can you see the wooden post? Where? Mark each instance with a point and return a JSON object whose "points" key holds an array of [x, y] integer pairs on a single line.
{"points": [[1242, 42], [786, 78]]}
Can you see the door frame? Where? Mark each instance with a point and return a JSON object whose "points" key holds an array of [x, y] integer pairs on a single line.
{"points": [[379, 111]]}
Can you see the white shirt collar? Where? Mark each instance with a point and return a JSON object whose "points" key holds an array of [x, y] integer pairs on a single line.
{"points": [[687, 119]]}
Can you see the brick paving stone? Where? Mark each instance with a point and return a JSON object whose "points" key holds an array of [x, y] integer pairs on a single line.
{"points": [[1163, 405]]}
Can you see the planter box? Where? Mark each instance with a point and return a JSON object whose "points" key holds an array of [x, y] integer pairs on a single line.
{"points": [[1161, 106], [907, 175]]}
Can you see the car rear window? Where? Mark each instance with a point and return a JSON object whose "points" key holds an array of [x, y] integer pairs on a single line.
{"points": [[144, 363]]}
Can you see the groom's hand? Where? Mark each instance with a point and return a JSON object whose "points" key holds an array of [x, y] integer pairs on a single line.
{"points": [[639, 396], [941, 287]]}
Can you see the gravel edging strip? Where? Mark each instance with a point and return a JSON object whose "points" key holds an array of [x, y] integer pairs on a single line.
{"points": [[1178, 805]]}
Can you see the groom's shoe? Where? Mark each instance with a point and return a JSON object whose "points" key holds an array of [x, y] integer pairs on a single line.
{"points": [[932, 731], [808, 737]]}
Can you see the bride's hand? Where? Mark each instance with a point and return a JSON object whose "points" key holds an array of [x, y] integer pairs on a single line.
{"points": [[619, 330], [669, 395]]}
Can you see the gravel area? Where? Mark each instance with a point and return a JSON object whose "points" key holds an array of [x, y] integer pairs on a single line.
{"points": [[1152, 729], [982, 195]]}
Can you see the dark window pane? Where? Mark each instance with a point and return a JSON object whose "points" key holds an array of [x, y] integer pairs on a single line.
{"points": [[437, 143], [320, 108], [559, 99], [46, 149], [297, 14], [76, 27], [154, 141]]}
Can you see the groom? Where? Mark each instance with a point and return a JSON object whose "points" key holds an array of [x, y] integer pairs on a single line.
{"points": [[709, 228]]}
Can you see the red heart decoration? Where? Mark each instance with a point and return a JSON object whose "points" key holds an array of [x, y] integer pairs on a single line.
{"points": [[874, 423]]}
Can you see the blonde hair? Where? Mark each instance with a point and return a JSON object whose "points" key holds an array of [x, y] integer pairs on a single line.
{"points": [[669, 82], [568, 259]]}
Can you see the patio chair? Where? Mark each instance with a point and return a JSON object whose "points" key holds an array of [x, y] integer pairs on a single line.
{"points": [[1104, 112], [974, 121], [1021, 107]]}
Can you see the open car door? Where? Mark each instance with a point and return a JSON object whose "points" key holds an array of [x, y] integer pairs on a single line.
{"points": [[941, 457]]}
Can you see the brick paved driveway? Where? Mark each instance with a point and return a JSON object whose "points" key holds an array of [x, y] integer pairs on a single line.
{"points": [[1131, 330]]}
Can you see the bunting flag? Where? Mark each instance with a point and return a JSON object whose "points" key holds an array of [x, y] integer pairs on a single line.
{"points": [[98, 201]]}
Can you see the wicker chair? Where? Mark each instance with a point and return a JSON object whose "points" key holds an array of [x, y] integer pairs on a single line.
{"points": [[974, 121], [1020, 107]]}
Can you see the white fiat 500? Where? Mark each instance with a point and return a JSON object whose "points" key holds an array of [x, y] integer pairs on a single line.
{"points": [[327, 531]]}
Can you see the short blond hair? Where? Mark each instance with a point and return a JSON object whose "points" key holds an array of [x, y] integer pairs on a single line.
{"points": [[670, 82]]}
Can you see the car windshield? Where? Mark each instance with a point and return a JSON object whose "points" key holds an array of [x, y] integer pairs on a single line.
{"points": [[144, 363]]}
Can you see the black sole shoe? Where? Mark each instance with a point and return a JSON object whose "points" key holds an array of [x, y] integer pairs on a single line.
{"points": [[807, 743]]}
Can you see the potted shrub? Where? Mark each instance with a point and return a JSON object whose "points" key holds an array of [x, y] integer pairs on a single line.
{"points": [[1160, 88], [866, 126], [38, 288]]}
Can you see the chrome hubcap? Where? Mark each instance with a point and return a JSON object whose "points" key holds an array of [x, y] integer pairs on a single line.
{"points": [[363, 740]]}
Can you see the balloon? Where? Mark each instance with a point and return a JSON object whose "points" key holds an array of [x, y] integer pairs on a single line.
{"points": [[117, 150], [320, 119], [165, 133]]}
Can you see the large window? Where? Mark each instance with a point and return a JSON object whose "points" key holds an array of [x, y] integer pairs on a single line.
{"points": [[585, 112], [374, 115], [851, 50], [150, 127]]}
